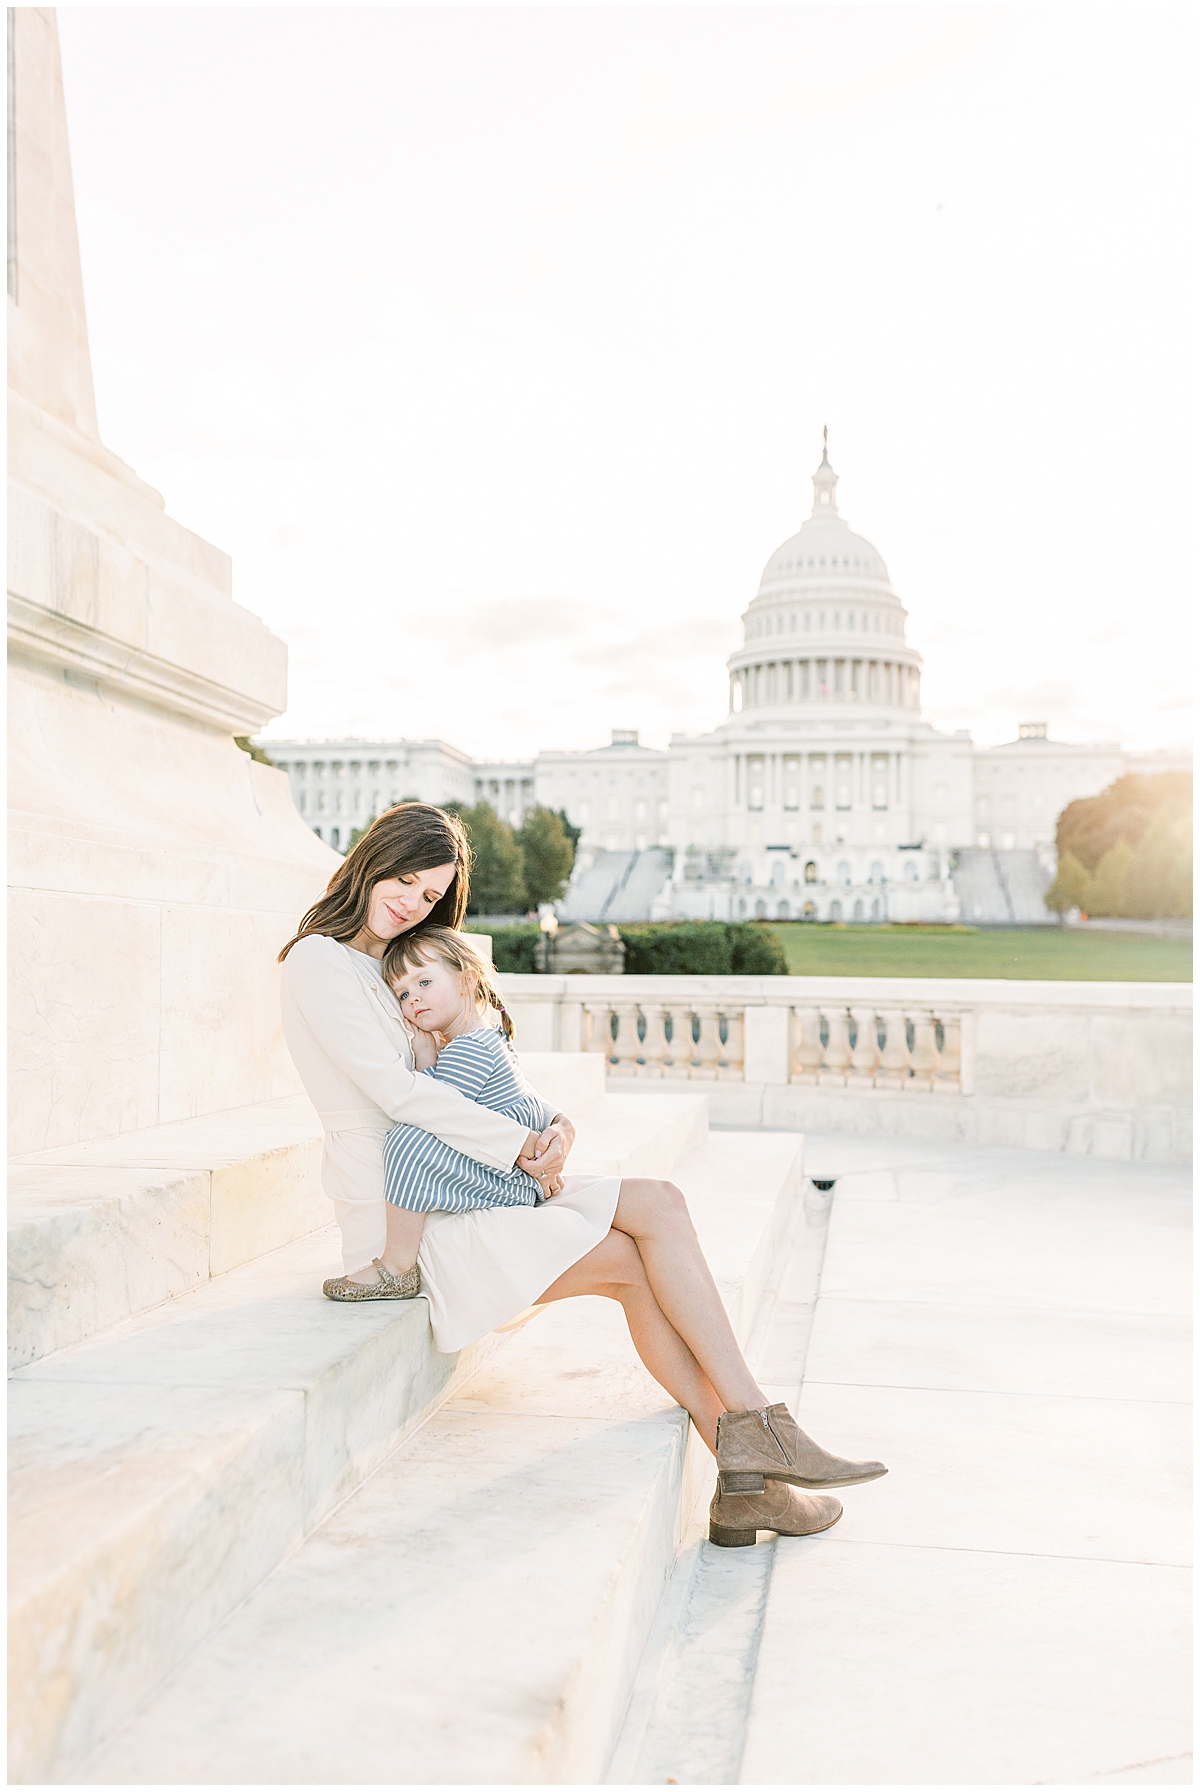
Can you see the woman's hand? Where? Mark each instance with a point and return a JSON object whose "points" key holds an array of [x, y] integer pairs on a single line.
{"points": [[545, 1154]]}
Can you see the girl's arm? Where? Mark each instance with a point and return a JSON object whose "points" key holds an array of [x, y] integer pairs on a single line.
{"points": [[335, 1007]]}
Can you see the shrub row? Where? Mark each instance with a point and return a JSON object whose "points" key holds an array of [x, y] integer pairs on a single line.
{"points": [[513, 948], [703, 949], [662, 949]]}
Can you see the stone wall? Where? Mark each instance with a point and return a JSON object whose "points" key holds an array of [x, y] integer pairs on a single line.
{"points": [[1102, 1069], [155, 869]]}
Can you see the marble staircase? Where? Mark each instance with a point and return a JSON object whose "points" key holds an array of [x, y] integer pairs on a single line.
{"points": [[199, 1428]]}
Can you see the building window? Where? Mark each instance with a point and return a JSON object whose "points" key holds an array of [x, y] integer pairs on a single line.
{"points": [[335, 838], [858, 911], [911, 872], [843, 871], [760, 909], [300, 802], [817, 834], [810, 873], [817, 800], [317, 832], [639, 811], [835, 910], [843, 796], [983, 839]]}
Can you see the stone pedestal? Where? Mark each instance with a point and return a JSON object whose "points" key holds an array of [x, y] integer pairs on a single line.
{"points": [[155, 869]]}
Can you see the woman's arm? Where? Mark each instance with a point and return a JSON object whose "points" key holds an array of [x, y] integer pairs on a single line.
{"points": [[334, 1005], [545, 1155]]}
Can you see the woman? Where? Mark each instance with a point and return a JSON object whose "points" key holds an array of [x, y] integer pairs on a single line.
{"points": [[630, 1239]]}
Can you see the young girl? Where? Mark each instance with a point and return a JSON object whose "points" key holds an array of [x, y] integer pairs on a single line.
{"points": [[444, 990]]}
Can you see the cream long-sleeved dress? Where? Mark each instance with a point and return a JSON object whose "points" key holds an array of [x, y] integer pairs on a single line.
{"points": [[478, 1269]]}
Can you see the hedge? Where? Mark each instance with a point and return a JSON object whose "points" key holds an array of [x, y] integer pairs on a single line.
{"points": [[514, 948], [661, 949], [702, 949]]}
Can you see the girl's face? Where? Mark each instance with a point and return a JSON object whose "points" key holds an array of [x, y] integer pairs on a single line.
{"points": [[398, 903], [433, 998]]}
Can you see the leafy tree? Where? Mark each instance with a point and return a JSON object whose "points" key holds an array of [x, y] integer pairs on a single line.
{"points": [[497, 868], [548, 855], [1127, 851], [1072, 887], [573, 833], [356, 834], [1107, 896], [1160, 879]]}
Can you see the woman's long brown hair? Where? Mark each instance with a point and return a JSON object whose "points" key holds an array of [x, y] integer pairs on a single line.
{"points": [[410, 837]]}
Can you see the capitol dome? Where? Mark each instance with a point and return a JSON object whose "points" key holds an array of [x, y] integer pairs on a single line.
{"points": [[825, 548], [825, 628]]}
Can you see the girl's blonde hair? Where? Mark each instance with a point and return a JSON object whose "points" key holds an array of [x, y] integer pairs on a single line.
{"points": [[408, 950]]}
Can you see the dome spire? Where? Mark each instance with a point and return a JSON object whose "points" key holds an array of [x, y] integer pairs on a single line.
{"points": [[825, 483]]}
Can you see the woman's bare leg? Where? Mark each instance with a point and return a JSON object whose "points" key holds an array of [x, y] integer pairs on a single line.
{"points": [[615, 1269], [655, 1216]]}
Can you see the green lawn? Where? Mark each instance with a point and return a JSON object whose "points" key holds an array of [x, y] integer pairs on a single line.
{"points": [[1051, 952]]}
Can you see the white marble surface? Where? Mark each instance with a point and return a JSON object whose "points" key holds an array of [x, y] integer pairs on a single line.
{"points": [[1097, 1069], [155, 869], [102, 1231], [517, 1545], [1011, 1604], [901, 1665]]}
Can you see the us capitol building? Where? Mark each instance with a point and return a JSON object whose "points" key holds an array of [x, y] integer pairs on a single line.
{"points": [[821, 796]]}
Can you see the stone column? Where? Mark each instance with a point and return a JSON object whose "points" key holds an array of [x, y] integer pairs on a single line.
{"points": [[893, 1065], [807, 1052], [924, 1060], [866, 1047], [837, 1051], [654, 1045]]}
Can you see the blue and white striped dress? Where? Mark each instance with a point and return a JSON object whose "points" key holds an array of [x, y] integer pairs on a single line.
{"points": [[425, 1175]]}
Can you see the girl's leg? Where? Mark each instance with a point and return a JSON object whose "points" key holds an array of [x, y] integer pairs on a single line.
{"points": [[655, 1216], [404, 1231], [615, 1269]]}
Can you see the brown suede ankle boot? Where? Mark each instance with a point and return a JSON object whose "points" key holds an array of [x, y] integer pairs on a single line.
{"points": [[734, 1519], [768, 1445]]}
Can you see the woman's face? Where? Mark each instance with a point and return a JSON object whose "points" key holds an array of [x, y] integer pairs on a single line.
{"points": [[398, 903]]}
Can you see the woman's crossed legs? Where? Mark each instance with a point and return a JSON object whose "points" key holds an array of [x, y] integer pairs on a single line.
{"points": [[652, 1263]]}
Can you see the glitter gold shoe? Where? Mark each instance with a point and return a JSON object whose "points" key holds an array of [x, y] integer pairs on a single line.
{"points": [[389, 1287]]}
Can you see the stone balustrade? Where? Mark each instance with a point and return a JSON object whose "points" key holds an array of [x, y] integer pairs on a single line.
{"points": [[1102, 1068]]}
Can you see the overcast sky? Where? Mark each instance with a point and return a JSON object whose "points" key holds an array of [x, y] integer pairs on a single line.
{"points": [[495, 345]]}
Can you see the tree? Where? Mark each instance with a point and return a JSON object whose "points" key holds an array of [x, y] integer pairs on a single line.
{"points": [[1131, 846], [548, 855], [1160, 879], [497, 869], [1110, 881], [573, 833], [1072, 888], [356, 834]]}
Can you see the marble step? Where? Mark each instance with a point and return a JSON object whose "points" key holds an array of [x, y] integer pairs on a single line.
{"points": [[162, 1469], [102, 1231], [476, 1612]]}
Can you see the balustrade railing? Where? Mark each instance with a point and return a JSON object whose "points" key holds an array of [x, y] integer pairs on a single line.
{"points": [[870, 1045]]}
